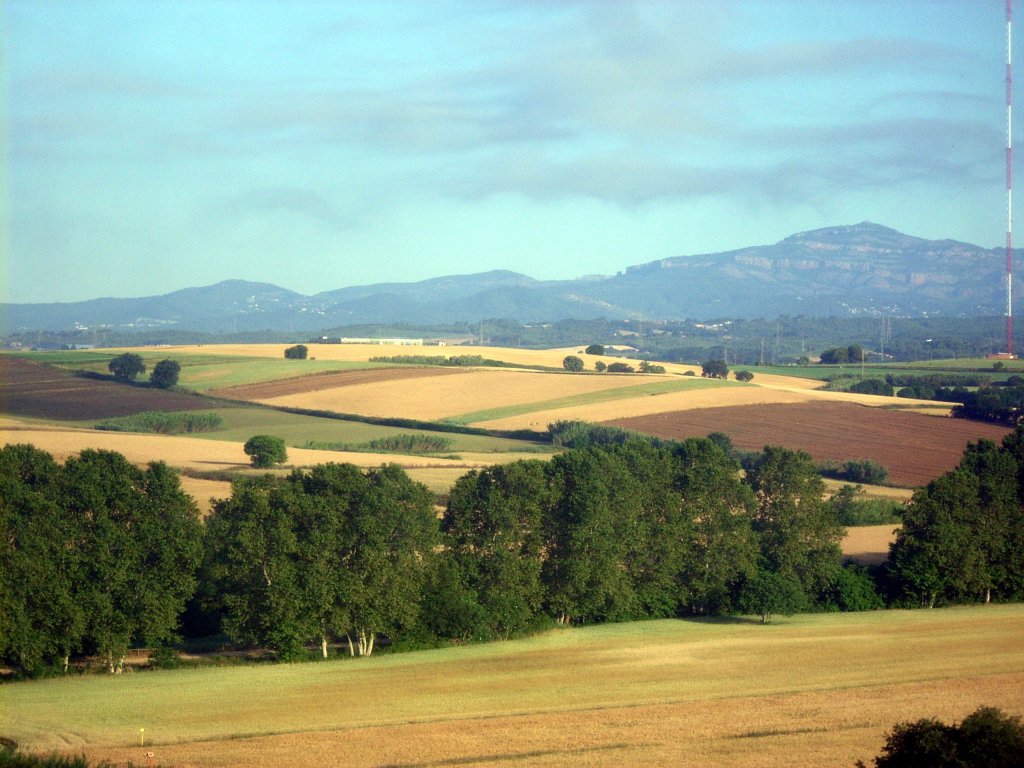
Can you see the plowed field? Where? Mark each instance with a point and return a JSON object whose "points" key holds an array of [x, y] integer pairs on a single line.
{"points": [[41, 391], [915, 448]]}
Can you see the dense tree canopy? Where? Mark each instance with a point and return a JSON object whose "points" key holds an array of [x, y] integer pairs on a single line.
{"points": [[572, 363], [127, 366], [265, 451], [165, 374], [96, 555], [714, 369]]}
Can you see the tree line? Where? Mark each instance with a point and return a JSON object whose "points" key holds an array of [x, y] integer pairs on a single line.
{"points": [[98, 555]]}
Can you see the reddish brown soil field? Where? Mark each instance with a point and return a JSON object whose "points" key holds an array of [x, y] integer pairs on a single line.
{"points": [[28, 388], [319, 381], [915, 448]]}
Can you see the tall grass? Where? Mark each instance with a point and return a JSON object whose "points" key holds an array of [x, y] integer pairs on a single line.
{"points": [[163, 423], [402, 443]]}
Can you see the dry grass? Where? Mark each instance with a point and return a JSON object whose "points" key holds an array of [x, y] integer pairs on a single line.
{"points": [[192, 453], [811, 690], [869, 544], [437, 397]]}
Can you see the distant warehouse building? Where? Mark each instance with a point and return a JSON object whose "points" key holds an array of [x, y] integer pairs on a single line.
{"points": [[395, 342]]}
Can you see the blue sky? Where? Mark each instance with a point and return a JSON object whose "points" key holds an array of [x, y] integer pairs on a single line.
{"points": [[158, 145]]}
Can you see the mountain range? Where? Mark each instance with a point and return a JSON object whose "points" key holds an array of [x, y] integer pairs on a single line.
{"points": [[861, 269]]}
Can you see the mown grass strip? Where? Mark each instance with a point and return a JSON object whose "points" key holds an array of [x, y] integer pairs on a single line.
{"points": [[589, 398]]}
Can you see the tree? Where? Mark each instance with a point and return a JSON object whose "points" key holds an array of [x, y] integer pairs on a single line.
{"points": [[595, 349], [127, 366], [139, 548], [493, 527], [648, 367], [872, 387], [265, 450], [393, 531], [298, 352], [799, 533], [252, 558], [600, 366], [714, 369], [987, 738], [772, 592], [620, 368], [744, 376], [165, 374], [572, 363]]}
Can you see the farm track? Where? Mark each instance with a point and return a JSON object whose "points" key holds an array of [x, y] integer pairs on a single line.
{"points": [[915, 448], [35, 390]]}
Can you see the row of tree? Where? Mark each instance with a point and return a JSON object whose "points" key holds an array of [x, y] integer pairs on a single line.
{"points": [[97, 555]]}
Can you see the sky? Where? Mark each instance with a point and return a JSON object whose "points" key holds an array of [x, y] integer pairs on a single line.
{"points": [[159, 145]]}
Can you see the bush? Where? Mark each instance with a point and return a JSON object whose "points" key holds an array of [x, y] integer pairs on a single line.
{"points": [[987, 738], [744, 376], [165, 374], [298, 352], [853, 511], [853, 589], [403, 443], [595, 349], [863, 471], [600, 366], [265, 451], [127, 366], [572, 363], [872, 387], [620, 368], [647, 367]]}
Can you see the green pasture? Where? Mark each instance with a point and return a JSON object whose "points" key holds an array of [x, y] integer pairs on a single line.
{"points": [[589, 398], [242, 422], [566, 670]]}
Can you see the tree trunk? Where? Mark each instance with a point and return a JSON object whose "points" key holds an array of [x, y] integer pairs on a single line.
{"points": [[351, 647], [369, 648], [323, 645], [988, 595], [67, 663]]}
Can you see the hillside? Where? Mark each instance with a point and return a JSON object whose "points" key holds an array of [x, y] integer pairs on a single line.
{"points": [[863, 269]]}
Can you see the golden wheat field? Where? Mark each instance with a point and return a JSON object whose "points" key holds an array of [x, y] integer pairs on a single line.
{"points": [[808, 690]]}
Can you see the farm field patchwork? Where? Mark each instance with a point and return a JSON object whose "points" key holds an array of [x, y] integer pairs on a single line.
{"points": [[915, 448], [437, 394], [28, 388], [813, 690]]}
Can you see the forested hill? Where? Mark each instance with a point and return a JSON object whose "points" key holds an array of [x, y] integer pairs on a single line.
{"points": [[858, 270]]}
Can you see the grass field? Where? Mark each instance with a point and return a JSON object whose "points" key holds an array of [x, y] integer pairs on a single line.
{"points": [[809, 690]]}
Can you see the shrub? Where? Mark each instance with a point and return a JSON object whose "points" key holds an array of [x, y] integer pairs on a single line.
{"points": [[647, 367], [744, 376], [853, 589], [863, 471], [987, 738], [852, 511], [872, 387], [620, 368], [298, 352], [572, 363], [595, 349], [600, 366], [265, 451], [404, 443], [715, 369]]}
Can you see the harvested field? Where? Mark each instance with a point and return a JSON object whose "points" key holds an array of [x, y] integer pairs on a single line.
{"points": [[868, 544], [808, 690], [915, 448], [28, 388], [301, 385], [194, 453], [434, 394]]}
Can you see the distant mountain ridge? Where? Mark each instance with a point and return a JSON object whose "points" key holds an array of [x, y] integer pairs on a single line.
{"points": [[860, 269]]}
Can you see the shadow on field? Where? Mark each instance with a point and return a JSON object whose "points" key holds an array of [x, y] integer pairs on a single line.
{"points": [[719, 620], [510, 756]]}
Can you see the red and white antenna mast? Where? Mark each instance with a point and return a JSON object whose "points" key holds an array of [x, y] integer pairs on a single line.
{"points": [[1009, 178]]}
